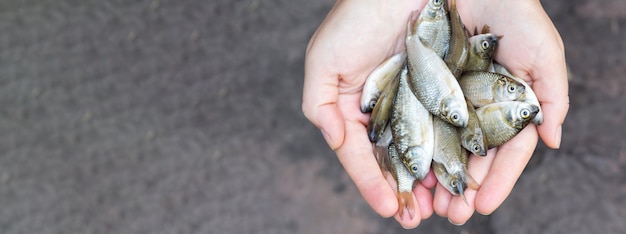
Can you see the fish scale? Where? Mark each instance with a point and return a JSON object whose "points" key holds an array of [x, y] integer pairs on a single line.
{"points": [[405, 182], [482, 88], [411, 127], [433, 26], [530, 96], [432, 82], [448, 149], [378, 80], [381, 112], [501, 121], [458, 49], [450, 159], [472, 136]]}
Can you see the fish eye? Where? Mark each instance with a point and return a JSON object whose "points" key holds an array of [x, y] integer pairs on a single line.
{"points": [[453, 183], [512, 88], [475, 147], [372, 104], [455, 116], [485, 45], [437, 2], [525, 113], [414, 168]]}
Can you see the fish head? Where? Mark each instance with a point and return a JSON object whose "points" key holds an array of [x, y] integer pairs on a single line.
{"points": [[457, 184], [435, 9], [538, 118], [487, 45], [454, 111], [519, 114], [417, 162], [368, 104], [475, 142], [453, 182], [508, 89], [460, 182]]}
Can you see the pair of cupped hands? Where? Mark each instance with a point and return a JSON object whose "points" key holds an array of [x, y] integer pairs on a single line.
{"points": [[357, 35]]}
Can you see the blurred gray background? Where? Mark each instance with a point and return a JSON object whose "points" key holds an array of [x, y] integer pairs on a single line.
{"points": [[184, 117]]}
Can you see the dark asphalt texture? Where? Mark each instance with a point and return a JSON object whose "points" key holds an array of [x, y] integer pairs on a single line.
{"points": [[185, 117]]}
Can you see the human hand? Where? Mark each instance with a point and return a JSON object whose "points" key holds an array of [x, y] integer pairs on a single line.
{"points": [[355, 37], [532, 50]]}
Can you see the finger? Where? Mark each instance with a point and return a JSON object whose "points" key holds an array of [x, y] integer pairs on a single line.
{"points": [[441, 201], [357, 158], [430, 180], [508, 164], [319, 102], [546, 71], [425, 200], [478, 167], [551, 87]]}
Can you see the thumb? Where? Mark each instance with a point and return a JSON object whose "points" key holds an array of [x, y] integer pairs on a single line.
{"points": [[329, 120], [319, 103], [552, 91], [551, 86]]}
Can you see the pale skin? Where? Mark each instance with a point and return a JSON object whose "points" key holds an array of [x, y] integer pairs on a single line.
{"points": [[357, 35]]}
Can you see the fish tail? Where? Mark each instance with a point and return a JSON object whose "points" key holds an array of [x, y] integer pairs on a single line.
{"points": [[405, 201]]}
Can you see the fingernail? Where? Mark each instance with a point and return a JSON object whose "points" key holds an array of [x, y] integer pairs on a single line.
{"points": [[455, 224], [557, 136]]}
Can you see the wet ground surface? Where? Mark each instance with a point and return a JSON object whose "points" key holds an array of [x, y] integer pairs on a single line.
{"points": [[184, 117]]}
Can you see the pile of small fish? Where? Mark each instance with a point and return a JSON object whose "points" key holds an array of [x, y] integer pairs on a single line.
{"points": [[439, 99]]}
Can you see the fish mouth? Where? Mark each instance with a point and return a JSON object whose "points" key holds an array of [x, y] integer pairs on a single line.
{"points": [[482, 151], [372, 136], [365, 109], [534, 109], [459, 187]]}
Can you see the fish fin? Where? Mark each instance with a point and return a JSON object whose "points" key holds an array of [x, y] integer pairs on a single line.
{"points": [[411, 26], [405, 201], [471, 183], [382, 157], [451, 5], [485, 29]]}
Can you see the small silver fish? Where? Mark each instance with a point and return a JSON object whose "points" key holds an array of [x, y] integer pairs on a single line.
{"points": [[472, 137], [482, 88], [432, 82], [501, 121], [433, 26], [381, 148], [378, 80], [405, 180], [530, 95], [411, 126], [450, 160], [382, 110], [482, 48], [458, 51]]}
